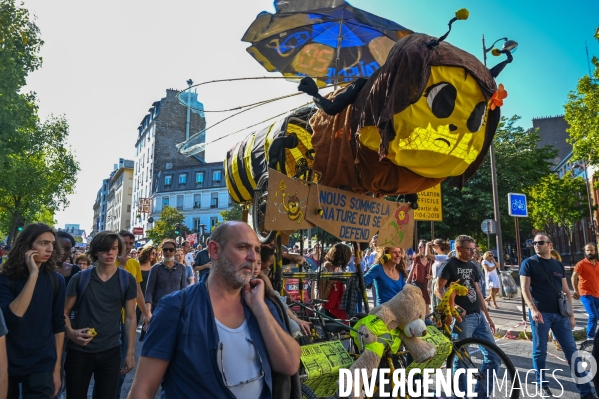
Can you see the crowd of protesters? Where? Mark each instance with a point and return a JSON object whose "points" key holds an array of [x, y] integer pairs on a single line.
{"points": [[68, 316]]}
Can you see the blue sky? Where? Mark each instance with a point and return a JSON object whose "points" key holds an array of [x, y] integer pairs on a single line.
{"points": [[106, 62]]}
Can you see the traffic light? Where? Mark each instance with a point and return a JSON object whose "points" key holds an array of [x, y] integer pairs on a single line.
{"points": [[20, 224], [178, 229]]}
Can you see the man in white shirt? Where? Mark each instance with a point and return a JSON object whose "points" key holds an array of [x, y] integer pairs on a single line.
{"points": [[189, 258]]}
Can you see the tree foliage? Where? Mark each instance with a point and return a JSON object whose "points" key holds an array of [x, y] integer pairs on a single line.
{"points": [[165, 226], [582, 114], [235, 213], [38, 170], [562, 201], [20, 44], [37, 175], [519, 163]]}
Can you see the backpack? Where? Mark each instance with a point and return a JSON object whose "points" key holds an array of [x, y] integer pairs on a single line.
{"points": [[86, 276]]}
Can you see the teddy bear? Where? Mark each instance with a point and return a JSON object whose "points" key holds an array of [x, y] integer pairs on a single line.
{"points": [[402, 318]]}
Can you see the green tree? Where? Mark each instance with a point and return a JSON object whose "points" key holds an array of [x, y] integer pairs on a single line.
{"points": [[20, 44], [520, 164], [235, 213], [558, 201], [165, 226], [582, 114], [38, 171], [38, 174]]}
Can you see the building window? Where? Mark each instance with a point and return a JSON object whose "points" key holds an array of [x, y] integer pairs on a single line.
{"points": [[128, 208], [197, 201], [180, 202], [168, 179], [199, 179], [196, 226], [183, 179], [214, 200], [165, 201], [216, 177], [213, 223]]}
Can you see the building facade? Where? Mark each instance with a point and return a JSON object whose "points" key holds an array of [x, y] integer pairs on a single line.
{"points": [[198, 192], [553, 132], [119, 196], [163, 176], [99, 223]]}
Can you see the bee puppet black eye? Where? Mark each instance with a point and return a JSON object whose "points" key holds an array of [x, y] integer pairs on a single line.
{"points": [[441, 99], [475, 121]]}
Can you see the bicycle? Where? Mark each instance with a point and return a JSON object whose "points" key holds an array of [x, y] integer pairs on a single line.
{"points": [[469, 353]]}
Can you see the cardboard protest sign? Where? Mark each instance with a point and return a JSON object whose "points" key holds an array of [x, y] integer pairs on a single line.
{"points": [[286, 203], [348, 216], [397, 230]]}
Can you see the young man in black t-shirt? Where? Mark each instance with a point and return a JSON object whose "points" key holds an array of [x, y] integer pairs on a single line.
{"points": [[476, 321], [544, 312], [107, 291]]}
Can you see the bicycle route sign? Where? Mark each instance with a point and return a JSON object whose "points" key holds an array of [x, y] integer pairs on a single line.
{"points": [[518, 207]]}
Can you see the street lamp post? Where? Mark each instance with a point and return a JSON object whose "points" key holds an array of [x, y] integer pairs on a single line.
{"points": [[508, 45], [189, 84]]}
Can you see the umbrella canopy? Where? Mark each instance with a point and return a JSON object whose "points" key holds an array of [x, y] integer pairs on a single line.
{"points": [[334, 41]]}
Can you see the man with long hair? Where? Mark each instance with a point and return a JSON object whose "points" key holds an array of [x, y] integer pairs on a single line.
{"points": [[98, 295], [32, 297], [220, 338]]}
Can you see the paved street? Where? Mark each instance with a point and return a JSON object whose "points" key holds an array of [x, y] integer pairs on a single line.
{"points": [[520, 353]]}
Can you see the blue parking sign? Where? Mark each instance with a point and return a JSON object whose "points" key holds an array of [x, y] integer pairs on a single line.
{"points": [[518, 206]]}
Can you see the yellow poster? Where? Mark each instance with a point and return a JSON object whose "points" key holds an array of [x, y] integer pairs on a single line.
{"points": [[444, 348], [322, 362], [430, 206]]}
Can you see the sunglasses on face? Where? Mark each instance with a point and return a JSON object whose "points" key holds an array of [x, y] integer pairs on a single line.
{"points": [[540, 243], [168, 249], [468, 249]]}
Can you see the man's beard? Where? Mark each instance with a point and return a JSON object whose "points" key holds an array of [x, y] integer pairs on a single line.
{"points": [[229, 272], [590, 256], [171, 259]]}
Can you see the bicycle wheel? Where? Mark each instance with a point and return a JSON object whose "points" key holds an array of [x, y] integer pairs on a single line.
{"points": [[307, 393], [259, 210], [495, 373]]}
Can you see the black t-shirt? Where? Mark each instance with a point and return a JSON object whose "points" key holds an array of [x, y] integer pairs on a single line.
{"points": [[543, 295], [100, 308], [454, 269], [74, 270], [202, 258]]}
